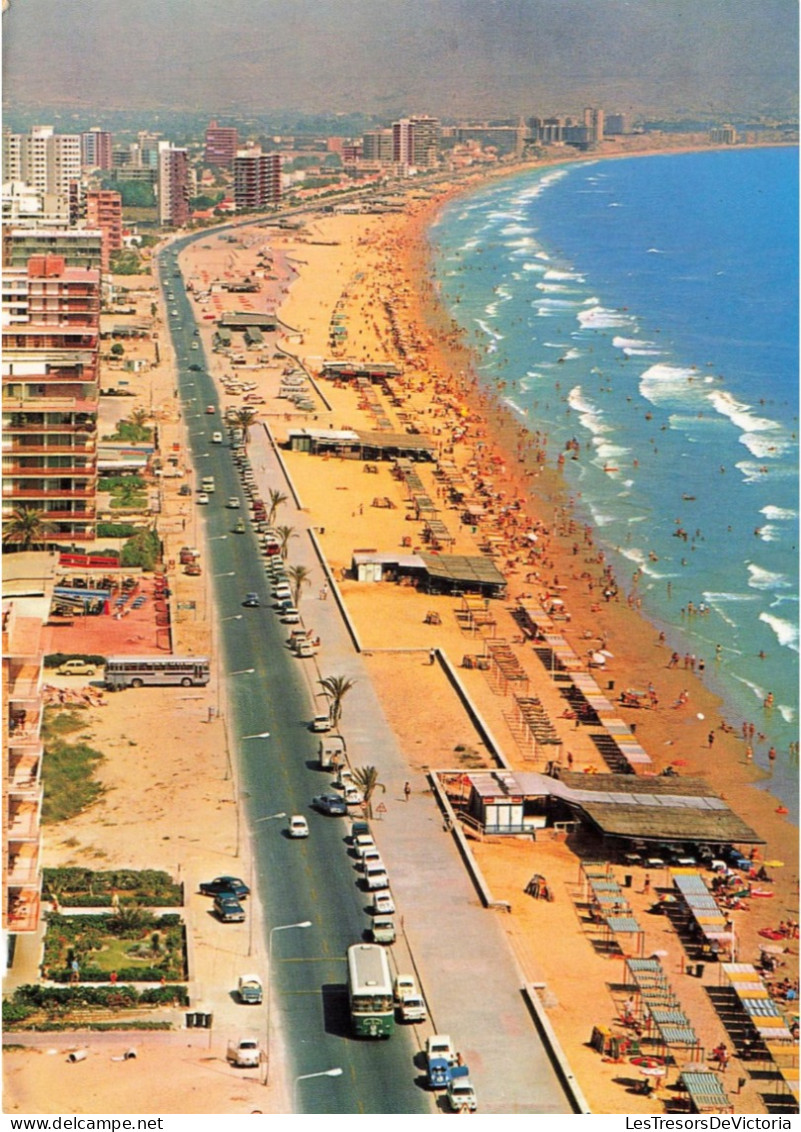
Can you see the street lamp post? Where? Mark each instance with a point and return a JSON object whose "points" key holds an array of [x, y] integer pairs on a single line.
{"points": [[277, 928], [337, 1072]]}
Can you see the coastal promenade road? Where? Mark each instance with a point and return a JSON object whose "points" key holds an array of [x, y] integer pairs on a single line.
{"points": [[460, 952], [269, 709]]}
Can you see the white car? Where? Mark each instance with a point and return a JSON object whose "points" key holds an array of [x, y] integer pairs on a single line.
{"points": [[291, 616], [353, 795], [203, 497], [282, 592], [370, 854], [298, 826], [383, 904], [233, 503], [362, 844], [461, 1095], [216, 438]]}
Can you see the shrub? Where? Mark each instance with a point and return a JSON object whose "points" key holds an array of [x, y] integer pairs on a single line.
{"points": [[116, 530], [144, 550]]}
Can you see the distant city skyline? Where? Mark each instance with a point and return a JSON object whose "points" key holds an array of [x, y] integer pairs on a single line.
{"points": [[448, 58]]}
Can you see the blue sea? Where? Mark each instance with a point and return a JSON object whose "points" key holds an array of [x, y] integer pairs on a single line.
{"points": [[648, 308]]}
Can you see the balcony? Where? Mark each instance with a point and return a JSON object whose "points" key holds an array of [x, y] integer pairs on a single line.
{"points": [[23, 677], [10, 492], [48, 403], [23, 909], [24, 816], [24, 768], [24, 723], [23, 867]]}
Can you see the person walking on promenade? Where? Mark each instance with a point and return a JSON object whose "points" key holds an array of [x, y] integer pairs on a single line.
{"points": [[407, 790]]}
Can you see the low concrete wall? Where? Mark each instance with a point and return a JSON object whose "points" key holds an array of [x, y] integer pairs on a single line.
{"points": [[493, 746], [477, 877], [555, 1051]]}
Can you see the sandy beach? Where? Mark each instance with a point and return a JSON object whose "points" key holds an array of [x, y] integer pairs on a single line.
{"points": [[374, 271]]}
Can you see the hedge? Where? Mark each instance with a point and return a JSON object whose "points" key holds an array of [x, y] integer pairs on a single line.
{"points": [[116, 530]]}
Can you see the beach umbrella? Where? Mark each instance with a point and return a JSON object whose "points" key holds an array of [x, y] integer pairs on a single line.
{"points": [[775, 864], [771, 949], [598, 658], [679, 762], [607, 653]]}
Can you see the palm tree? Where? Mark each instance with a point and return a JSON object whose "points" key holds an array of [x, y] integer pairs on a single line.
{"points": [[244, 418], [276, 499], [138, 417], [26, 528], [299, 576], [335, 688], [366, 778], [285, 534]]}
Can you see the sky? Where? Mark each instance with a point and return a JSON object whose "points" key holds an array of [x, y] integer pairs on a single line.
{"points": [[459, 58]]}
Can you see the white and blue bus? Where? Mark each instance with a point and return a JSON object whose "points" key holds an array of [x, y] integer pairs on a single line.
{"points": [[372, 1010], [138, 671]]}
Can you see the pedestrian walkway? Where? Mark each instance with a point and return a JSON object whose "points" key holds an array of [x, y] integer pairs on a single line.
{"points": [[469, 976]]}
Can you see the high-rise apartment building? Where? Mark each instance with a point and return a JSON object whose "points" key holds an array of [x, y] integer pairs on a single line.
{"points": [[377, 146], [415, 142], [616, 124], [78, 247], [23, 753], [222, 143], [173, 185], [51, 316], [426, 133], [96, 148], [594, 123], [48, 162], [104, 212], [257, 178]]}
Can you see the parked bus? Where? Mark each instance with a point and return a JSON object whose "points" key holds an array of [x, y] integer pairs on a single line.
{"points": [[137, 671], [372, 1009]]}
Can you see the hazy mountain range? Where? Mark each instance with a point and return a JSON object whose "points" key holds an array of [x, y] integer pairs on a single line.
{"points": [[445, 57]]}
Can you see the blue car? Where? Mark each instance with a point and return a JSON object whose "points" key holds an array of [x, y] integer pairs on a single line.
{"points": [[330, 804], [231, 885]]}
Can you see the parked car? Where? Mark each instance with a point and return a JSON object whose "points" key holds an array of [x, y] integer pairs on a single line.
{"points": [[375, 876], [330, 804], [251, 601], [383, 904], [246, 1053], [225, 884], [461, 1095], [305, 648], [228, 908], [363, 843], [76, 668], [298, 826], [370, 853], [321, 722], [353, 795], [290, 615], [383, 930]]}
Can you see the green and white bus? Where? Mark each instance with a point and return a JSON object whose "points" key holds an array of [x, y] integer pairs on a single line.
{"points": [[372, 1010], [138, 671]]}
